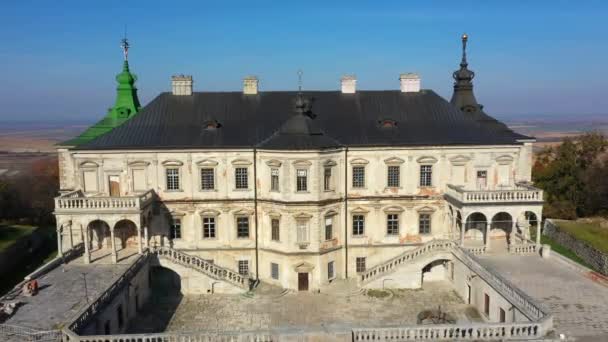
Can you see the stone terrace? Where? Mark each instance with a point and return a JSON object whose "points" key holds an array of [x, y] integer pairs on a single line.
{"points": [[322, 311], [579, 305]]}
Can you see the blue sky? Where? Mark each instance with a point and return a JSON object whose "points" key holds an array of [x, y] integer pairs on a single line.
{"points": [[58, 59]]}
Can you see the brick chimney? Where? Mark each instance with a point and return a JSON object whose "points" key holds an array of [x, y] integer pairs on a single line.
{"points": [[250, 85], [410, 83], [181, 85], [348, 84]]}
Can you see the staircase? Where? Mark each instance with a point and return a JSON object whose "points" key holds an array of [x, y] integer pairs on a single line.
{"points": [[384, 268], [203, 266]]}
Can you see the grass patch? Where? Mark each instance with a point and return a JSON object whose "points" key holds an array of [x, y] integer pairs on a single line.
{"points": [[378, 293], [11, 233], [556, 247], [591, 233]]}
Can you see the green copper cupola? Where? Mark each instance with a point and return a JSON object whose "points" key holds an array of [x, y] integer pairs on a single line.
{"points": [[126, 106]]}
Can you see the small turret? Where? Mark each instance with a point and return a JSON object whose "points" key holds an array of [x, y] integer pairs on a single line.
{"points": [[463, 96]]}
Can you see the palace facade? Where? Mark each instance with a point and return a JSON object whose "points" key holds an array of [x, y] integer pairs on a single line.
{"points": [[296, 188]]}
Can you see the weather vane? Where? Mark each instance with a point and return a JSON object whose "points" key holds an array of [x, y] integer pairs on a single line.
{"points": [[125, 45]]}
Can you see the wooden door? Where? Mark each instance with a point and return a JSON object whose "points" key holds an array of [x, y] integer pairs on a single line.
{"points": [[114, 182], [302, 281]]}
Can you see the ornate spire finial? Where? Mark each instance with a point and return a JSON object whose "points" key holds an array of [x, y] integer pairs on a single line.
{"points": [[465, 37], [300, 73], [125, 47]]}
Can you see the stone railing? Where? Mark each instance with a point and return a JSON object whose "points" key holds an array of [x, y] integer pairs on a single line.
{"points": [[76, 200], [525, 248], [203, 266], [256, 336], [390, 265], [518, 193], [475, 250], [16, 333], [85, 317], [453, 332], [524, 303]]}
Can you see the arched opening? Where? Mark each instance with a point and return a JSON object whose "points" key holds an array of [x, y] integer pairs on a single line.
{"points": [[99, 235], [436, 270], [476, 228], [500, 231], [125, 233], [533, 225], [164, 282]]}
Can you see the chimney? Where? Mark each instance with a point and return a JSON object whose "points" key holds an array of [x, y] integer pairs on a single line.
{"points": [[250, 85], [410, 83], [181, 85], [348, 84]]}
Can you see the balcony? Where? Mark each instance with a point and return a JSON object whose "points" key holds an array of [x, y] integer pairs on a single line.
{"points": [[76, 201], [519, 193]]}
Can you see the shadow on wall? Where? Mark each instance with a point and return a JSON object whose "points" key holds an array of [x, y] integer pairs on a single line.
{"points": [[165, 297]]}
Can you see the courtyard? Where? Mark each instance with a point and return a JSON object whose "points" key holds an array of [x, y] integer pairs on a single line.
{"points": [[340, 307]]}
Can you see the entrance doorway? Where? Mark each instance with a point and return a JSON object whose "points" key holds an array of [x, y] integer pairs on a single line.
{"points": [[114, 185], [302, 281]]}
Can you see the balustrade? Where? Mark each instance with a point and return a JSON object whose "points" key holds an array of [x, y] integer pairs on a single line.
{"points": [[76, 200], [523, 249], [519, 193]]}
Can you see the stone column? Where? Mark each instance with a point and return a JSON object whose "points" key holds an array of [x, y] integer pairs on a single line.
{"points": [[146, 237], [87, 252], [114, 254], [139, 242], [71, 236], [59, 242], [487, 236], [462, 232], [538, 223]]}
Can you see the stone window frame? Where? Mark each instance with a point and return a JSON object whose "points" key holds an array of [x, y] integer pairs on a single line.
{"points": [[275, 165], [360, 264], [176, 216], [331, 271], [141, 166], [242, 164], [243, 262], [207, 164], [89, 166], [358, 212], [329, 184], [393, 210], [459, 160], [242, 214], [331, 214], [391, 163], [426, 211], [214, 214], [173, 164], [275, 269], [275, 216], [426, 161], [304, 218], [302, 165], [504, 160], [358, 163]]}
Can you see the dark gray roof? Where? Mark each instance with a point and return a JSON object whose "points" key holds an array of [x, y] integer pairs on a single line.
{"points": [[268, 120]]}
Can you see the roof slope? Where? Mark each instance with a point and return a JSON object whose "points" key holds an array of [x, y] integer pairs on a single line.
{"points": [[266, 120]]}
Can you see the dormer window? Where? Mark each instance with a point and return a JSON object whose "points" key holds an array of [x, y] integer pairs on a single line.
{"points": [[387, 123], [211, 125]]}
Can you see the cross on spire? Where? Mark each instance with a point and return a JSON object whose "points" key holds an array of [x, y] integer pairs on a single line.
{"points": [[125, 47]]}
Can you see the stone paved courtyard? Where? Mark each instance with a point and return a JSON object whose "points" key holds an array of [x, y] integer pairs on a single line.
{"points": [[579, 304], [307, 310]]}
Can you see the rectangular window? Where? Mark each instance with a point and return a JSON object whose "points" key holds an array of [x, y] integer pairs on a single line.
{"points": [[302, 228], [392, 224], [240, 178], [172, 179], [274, 179], [274, 271], [244, 267], [424, 224], [208, 227], [426, 175], [302, 180], [276, 235], [486, 304], [358, 225], [327, 179], [482, 179], [329, 233], [503, 316], [242, 227], [207, 179], [393, 176], [330, 270], [358, 176], [176, 229], [360, 264]]}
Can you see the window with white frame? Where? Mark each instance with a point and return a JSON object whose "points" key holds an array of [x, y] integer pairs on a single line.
{"points": [[424, 223], [393, 176], [242, 227], [172, 178], [329, 231], [207, 178], [327, 179], [275, 229], [209, 230], [426, 175], [244, 267], [302, 180], [302, 228], [330, 270], [358, 176], [392, 224], [241, 178], [360, 264], [358, 225], [175, 230], [274, 179], [274, 271]]}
